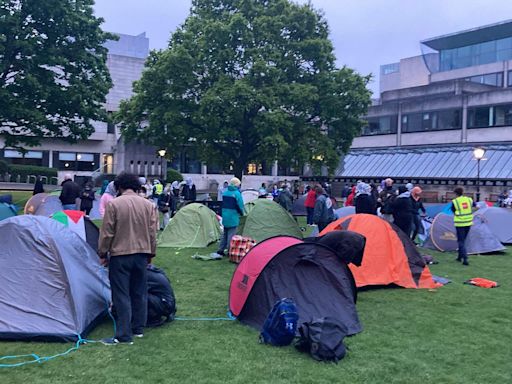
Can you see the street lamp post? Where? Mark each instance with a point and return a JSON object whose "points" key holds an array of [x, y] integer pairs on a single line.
{"points": [[478, 153], [161, 153]]}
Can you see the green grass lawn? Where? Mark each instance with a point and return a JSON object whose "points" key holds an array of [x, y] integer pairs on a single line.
{"points": [[455, 334], [19, 198]]}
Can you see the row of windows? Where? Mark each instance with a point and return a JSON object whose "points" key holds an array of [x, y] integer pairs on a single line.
{"points": [[476, 54], [447, 119]]}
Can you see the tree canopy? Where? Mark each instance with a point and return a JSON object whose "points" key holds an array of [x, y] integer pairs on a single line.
{"points": [[53, 73], [249, 81]]}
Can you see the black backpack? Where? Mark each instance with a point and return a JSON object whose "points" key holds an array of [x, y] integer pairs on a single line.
{"points": [[323, 339]]}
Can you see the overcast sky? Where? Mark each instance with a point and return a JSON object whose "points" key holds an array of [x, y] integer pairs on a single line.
{"points": [[365, 33]]}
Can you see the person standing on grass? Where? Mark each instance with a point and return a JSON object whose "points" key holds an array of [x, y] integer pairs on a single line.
{"points": [[364, 201], [309, 203], [323, 213], [38, 186], [462, 207], [109, 195], [402, 210], [417, 205], [87, 198], [232, 210], [127, 242], [70, 192], [165, 204]]}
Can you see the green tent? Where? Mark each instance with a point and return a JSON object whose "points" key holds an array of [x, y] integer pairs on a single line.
{"points": [[194, 226], [265, 218], [6, 211]]}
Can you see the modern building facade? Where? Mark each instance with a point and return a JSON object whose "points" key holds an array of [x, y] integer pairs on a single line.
{"points": [[456, 96], [104, 151]]}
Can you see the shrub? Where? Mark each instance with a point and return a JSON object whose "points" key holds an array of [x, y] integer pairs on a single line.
{"points": [[4, 167], [26, 170], [174, 175]]}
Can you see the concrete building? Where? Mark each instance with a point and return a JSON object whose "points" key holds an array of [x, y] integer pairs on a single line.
{"points": [[456, 96], [104, 151]]}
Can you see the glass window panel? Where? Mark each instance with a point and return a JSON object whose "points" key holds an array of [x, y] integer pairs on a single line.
{"points": [[67, 156], [12, 154], [85, 157], [34, 155], [505, 43], [478, 117]]}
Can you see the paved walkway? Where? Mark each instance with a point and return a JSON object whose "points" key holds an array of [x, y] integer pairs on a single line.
{"points": [[24, 187]]}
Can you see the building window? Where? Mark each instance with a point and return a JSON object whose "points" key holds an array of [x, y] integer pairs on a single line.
{"points": [[85, 162], [476, 54], [67, 161], [432, 121], [509, 79], [383, 125], [111, 127], [389, 68], [30, 157], [490, 116], [494, 79]]}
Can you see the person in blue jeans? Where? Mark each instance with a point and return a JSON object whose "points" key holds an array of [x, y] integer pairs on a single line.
{"points": [[232, 210]]}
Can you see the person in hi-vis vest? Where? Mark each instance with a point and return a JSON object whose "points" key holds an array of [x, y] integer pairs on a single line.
{"points": [[462, 207]]}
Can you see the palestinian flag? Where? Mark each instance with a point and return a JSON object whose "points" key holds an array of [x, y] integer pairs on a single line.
{"points": [[74, 220]]}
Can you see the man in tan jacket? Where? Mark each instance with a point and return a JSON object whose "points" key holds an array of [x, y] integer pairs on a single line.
{"points": [[127, 240]]}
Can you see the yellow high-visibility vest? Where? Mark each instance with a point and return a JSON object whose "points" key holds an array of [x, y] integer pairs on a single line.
{"points": [[159, 188], [463, 211]]}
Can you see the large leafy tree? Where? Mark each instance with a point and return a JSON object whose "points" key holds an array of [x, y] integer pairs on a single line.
{"points": [[53, 73], [249, 81]]}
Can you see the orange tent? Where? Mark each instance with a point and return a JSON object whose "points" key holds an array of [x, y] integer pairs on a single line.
{"points": [[390, 257]]}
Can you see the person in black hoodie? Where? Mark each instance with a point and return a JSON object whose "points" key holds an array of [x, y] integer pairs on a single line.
{"points": [[402, 210], [87, 198], [70, 192], [417, 205], [364, 201], [38, 186]]}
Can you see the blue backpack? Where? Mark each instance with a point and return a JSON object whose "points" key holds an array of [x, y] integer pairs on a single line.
{"points": [[281, 324]]}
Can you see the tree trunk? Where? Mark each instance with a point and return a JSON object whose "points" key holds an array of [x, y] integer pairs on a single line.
{"points": [[238, 168]]}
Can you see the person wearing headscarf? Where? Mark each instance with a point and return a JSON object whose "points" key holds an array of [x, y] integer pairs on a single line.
{"points": [[417, 205], [409, 186], [402, 210], [364, 201], [38, 186], [104, 186], [189, 190], [109, 195]]}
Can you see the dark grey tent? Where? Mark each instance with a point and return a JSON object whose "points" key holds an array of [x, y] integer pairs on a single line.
{"points": [[443, 236], [51, 284], [43, 204], [313, 275], [499, 221], [345, 211], [298, 208]]}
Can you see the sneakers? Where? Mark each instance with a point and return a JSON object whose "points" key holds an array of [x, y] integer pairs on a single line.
{"points": [[465, 262], [114, 341], [138, 335]]}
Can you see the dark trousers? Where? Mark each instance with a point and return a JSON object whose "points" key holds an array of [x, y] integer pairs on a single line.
{"points": [[416, 223], [128, 283], [225, 241], [309, 217], [462, 233]]}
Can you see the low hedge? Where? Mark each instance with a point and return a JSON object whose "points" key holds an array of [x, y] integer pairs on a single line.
{"points": [[174, 175], [27, 170]]}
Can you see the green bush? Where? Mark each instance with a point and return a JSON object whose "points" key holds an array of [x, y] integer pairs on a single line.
{"points": [[26, 170], [4, 167], [174, 175]]}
